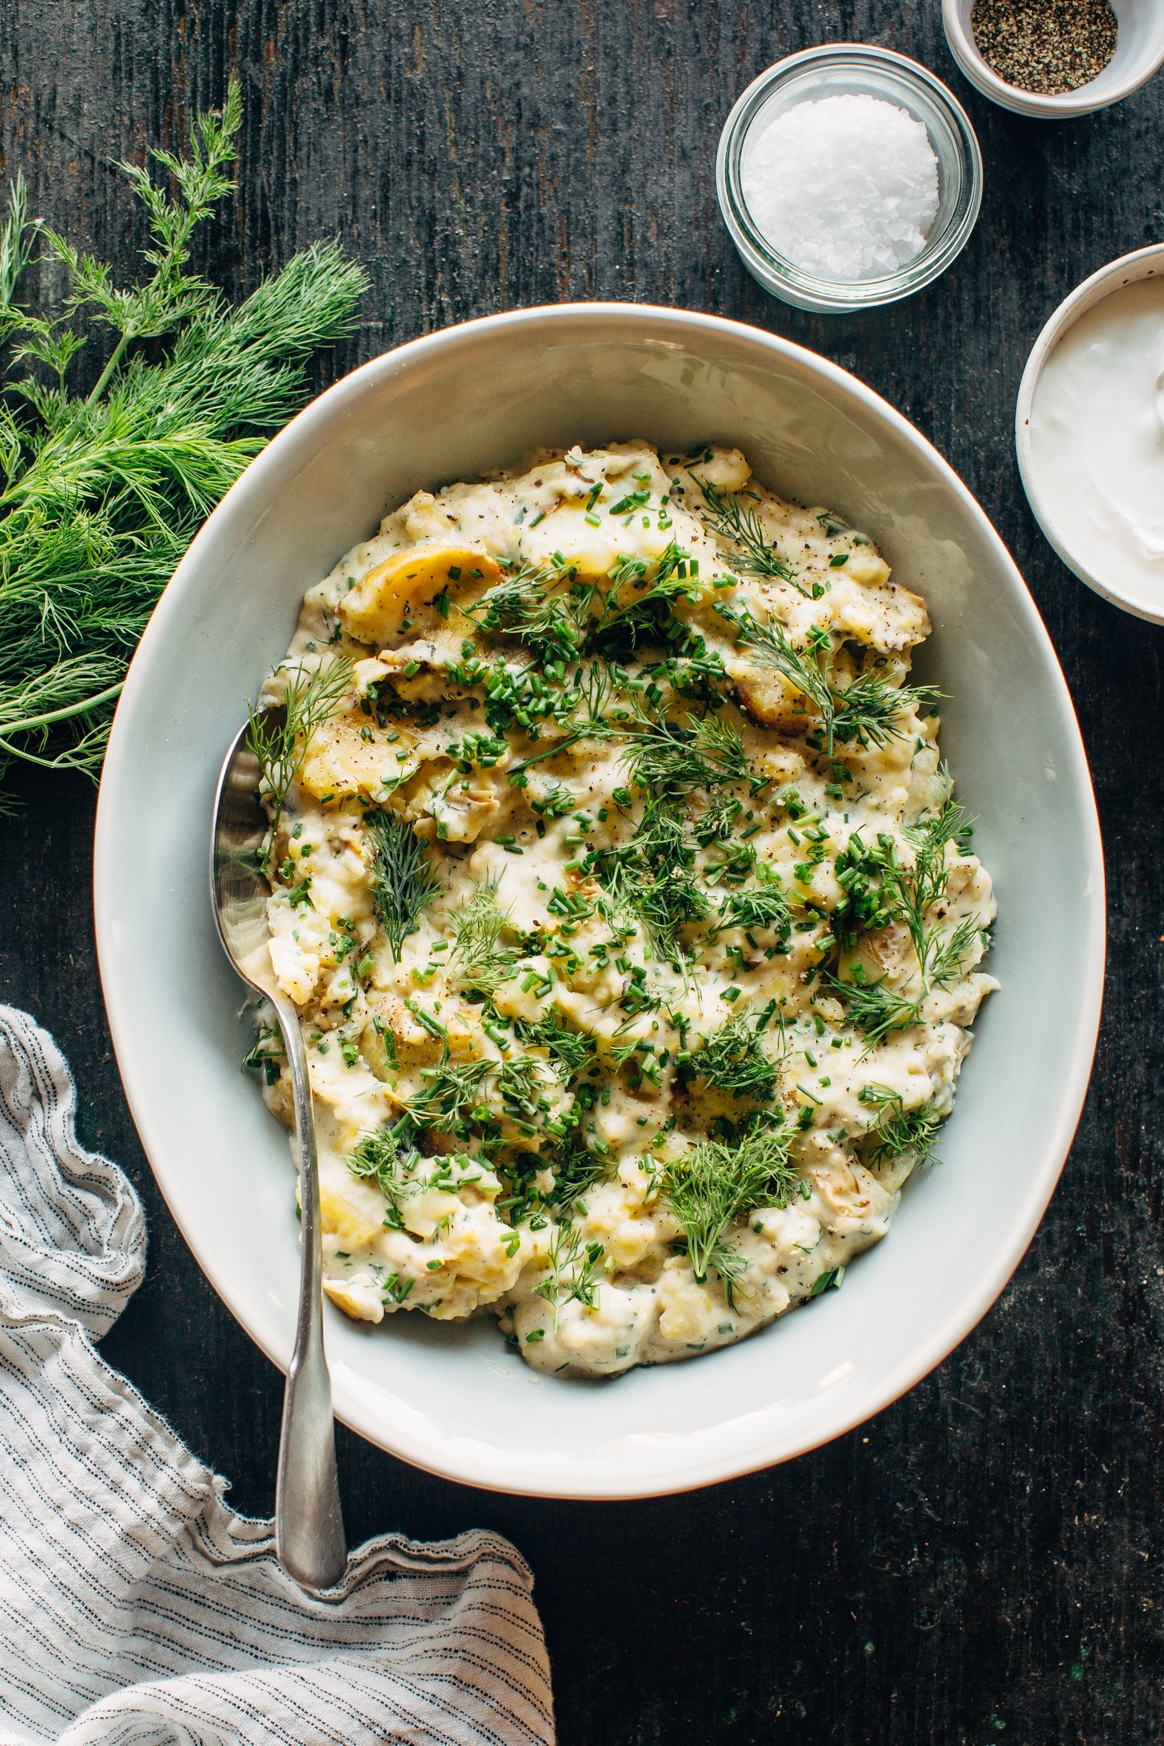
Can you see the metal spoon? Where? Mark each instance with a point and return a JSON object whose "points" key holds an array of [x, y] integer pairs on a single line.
{"points": [[309, 1530]]}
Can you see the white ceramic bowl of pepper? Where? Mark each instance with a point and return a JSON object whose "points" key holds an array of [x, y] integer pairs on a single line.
{"points": [[1138, 53]]}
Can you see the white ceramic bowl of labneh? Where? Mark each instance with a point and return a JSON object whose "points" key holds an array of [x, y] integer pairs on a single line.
{"points": [[1089, 432], [1138, 53], [455, 405]]}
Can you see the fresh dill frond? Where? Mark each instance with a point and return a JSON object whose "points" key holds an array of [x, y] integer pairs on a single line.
{"points": [[726, 515], [950, 823], [648, 879], [714, 1184], [103, 492], [869, 709], [947, 953], [733, 1059], [571, 1051], [483, 964], [635, 603], [881, 888], [762, 906], [379, 1157], [897, 1131], [716, 824], [279, 734], [574, 1271], [664, 904], [404, 880], [875, 1008], [544, 605], [672, 758], [575, 1170], [451, 1094]]}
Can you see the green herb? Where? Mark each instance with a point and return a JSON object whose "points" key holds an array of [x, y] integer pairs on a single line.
{"points": [[279, 736], [834, 1277], [727, 516], [379, 1157], [671, 758], [102, 493], [483, 964], [875, 1008], [764, 906], [869, 709], [572, 1051], [267, 1053], [714, 1184], [450, 1097], [404, 880], [898, 1131], [733, 1059], [574, 1271]]}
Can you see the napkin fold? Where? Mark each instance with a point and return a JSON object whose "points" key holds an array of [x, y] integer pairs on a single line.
{"points": [[136, 1607]]}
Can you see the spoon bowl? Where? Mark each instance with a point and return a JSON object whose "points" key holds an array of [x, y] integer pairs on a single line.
{"points": [[309, 1533]]}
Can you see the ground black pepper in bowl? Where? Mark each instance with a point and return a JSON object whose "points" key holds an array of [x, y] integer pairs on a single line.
{"points": [[1049, 46]]}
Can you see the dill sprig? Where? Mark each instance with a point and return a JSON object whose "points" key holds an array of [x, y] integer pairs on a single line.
{"points": [[726, 515], [559, 614], [869, 709], [483, 964], [881, 889], [672, 758], [571, 1051], [574, 1271], [279, 734], [875, 1008], [379, 1157], [403, 878], [451, 1093], [897, 1131], [714, 1184], [733, 1059], [762, 906], [102, 493]]}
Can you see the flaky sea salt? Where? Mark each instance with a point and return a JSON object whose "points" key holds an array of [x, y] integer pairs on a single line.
{"points": [[845, 187]]}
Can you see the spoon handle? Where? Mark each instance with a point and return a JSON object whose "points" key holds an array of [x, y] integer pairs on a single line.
{"points": [[309, 1529]]}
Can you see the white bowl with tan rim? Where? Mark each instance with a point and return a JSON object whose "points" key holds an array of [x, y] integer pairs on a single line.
{"points": [[1128, 270], [1139, 52]]}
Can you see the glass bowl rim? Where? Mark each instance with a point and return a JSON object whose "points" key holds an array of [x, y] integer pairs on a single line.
{"points": [[782, 277]]}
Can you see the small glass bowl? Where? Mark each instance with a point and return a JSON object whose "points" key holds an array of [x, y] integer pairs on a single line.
{"points": [[842, 69]]}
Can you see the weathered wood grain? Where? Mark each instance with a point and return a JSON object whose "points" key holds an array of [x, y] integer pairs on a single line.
{"points": [[983, 1562]]}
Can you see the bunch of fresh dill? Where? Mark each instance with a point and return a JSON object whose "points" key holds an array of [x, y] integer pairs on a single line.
{"points": [[102, 492]]}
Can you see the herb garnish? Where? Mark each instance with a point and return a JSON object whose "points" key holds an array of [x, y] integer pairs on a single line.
{"points": [[403, 877], [714, 1184], [898, 1131], [869, 709], [103, 492], [728, 517], [279, 734]]}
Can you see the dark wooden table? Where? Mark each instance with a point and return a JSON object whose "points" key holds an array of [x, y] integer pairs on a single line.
{"points": [[982, 1563]]}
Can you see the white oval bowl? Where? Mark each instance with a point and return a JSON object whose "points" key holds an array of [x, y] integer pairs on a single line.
{"points": [[1128, 270], [1139, 52], [451, 1398]]}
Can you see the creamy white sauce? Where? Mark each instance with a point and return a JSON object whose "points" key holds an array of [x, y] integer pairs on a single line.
{"points": [[1097, 441]]}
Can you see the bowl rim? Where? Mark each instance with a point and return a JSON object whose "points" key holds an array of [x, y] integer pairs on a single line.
{"points": [[1130, 269], [782, 278], [698, 1465], [1038, 105]]}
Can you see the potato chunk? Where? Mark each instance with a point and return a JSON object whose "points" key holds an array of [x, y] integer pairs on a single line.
{"points": [[409, 584]]}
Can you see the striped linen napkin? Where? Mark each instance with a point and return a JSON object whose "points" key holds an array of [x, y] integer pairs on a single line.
{"points": [[135, 1605]]}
